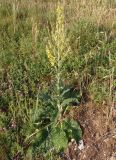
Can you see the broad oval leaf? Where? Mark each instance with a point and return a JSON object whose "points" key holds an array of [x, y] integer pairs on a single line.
{"points": [[59, 139]]}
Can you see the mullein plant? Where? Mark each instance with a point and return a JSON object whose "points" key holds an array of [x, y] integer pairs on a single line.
{"points": [[58, 49]]}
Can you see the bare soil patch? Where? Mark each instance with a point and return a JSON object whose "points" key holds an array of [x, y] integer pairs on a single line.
{"points": [[99, 134]]}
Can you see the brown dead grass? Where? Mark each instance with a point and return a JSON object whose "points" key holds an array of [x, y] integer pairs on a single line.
{"points": [[101, 12]]}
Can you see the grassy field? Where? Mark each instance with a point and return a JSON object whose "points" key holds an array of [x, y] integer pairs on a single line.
{"points": [[53, 57]]}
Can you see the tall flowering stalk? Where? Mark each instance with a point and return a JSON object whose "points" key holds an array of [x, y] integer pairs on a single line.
{"points": [[57, 49]]}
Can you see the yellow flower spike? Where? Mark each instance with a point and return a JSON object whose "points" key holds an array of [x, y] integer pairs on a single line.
{"points": [[58, 48], [50, 56]]}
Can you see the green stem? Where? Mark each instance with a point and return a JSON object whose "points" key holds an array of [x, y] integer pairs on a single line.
{"points": [[58, 83]]}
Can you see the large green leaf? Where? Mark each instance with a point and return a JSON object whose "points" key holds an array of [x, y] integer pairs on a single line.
{"points": [[69, 101], [72, 129], [59, 138]]}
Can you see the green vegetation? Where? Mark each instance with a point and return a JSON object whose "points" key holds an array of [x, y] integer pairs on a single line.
{"points": [[53, 56]]}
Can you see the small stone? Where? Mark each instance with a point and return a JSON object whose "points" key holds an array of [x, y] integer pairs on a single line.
{"points": [[72, 140], [81, 145]]}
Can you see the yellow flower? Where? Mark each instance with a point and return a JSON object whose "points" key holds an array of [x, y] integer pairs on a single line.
{"points": [[58, 46], [51, 57]]}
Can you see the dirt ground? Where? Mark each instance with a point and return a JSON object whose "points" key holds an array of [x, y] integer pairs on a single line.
{"points": [[99, 134]]}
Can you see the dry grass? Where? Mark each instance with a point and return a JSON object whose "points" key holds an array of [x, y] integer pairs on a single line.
{"points": [[98, 11]]}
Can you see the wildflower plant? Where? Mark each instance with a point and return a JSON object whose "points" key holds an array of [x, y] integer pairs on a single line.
{"points": [[57, 50]]}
